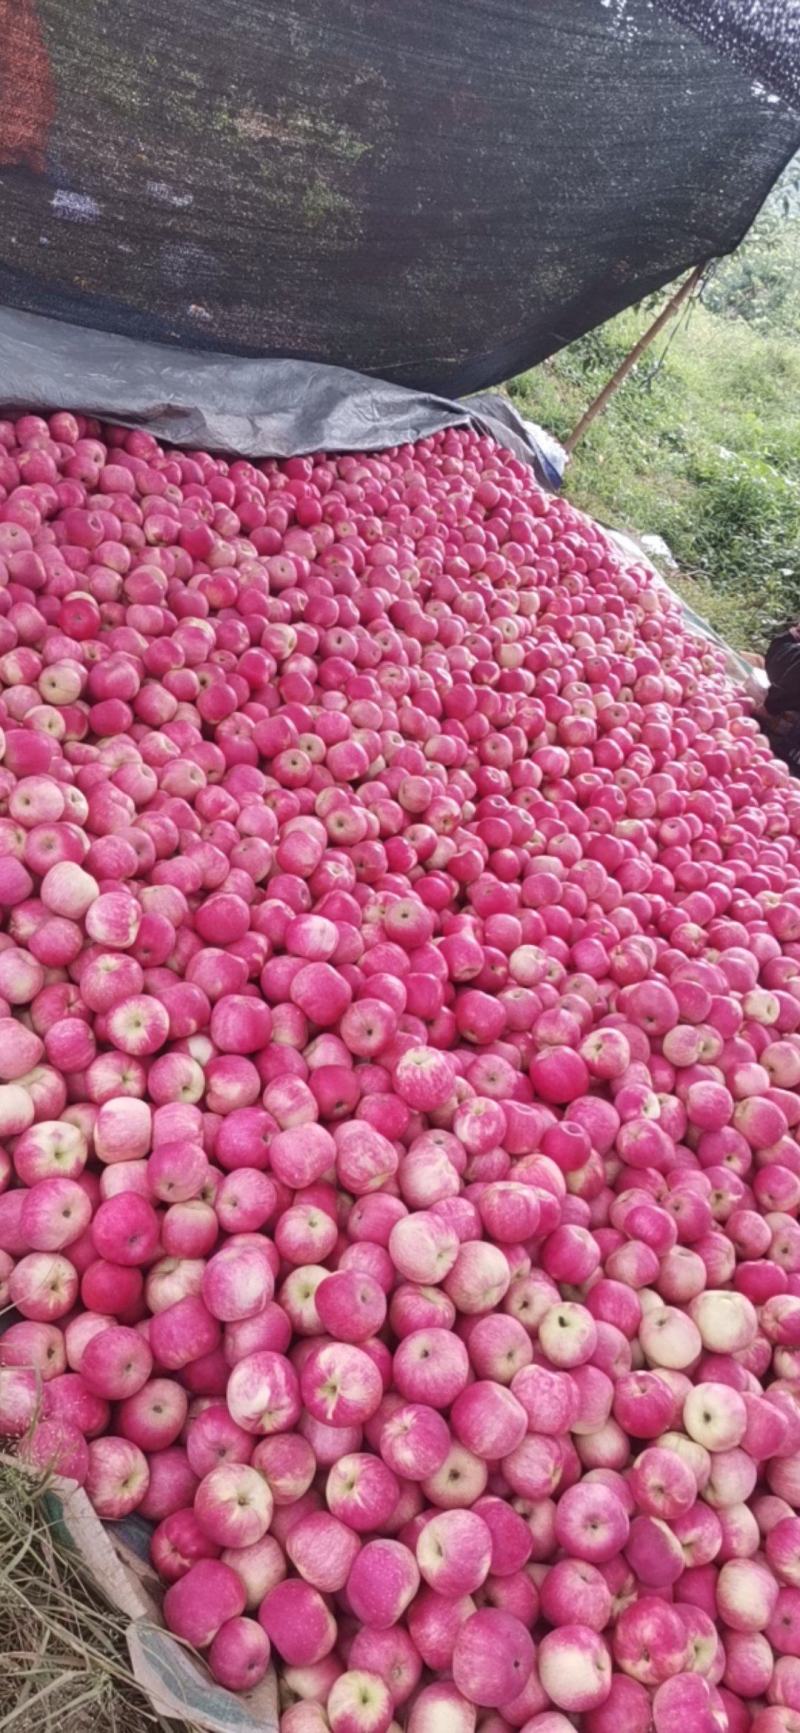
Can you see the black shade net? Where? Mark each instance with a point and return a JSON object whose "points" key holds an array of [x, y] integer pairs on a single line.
{"points": [[437, 192]]}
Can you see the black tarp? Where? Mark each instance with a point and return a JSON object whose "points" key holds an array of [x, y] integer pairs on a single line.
{"points": [[438, 192]]}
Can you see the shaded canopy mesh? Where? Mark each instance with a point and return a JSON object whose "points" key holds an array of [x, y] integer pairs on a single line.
{"points": [[438, 192]]}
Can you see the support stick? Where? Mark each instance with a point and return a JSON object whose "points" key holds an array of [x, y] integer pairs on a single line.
{"points": [[596, 408]]}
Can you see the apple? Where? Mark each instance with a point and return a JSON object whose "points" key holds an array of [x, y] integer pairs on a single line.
{"points": [[650, 1641], [747, 1594], [56, 1211], [237, 1282], [362, 1491], [434, 1621], [440, 1708], [726, 1321], [125, 1229], [340, 1384], [591, 1523], [662, 1484], [259, 1566], [43, 1286], [359, 1702], [685, 1700], [479, 1277], [202, 1601], [56, 1447], [499, 1347], [239, 1654], [288, 1463], [575, 1667], [488, 1419], [568, 1335], [183, 1332], [41, 1347], [575, 1591], [459, 1482], [351, 1305], [493, 1658], [263, 1394], [383, 1580], [116, 1363], [671, 1339], [454, 1552], [171, 1486], [117, 1477], [123, 1129], [654, 1552], [392, 1656], [20, 1400], [322, 1550], [298, 1622], [233, 1505]]}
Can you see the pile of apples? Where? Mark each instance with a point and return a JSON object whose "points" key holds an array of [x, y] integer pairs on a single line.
{"points": [[399, 1086]]}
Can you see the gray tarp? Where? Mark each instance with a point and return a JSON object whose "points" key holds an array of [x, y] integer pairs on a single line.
{"points": [[225, 404]]}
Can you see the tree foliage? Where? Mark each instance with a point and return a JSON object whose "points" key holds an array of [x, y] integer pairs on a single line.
{"points": [[760, 282]]}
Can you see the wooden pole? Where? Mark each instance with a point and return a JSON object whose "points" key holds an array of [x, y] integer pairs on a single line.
{"points": [[596, 408]]}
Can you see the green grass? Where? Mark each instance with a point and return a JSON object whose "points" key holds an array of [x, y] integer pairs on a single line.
{"points": [[700, 446]]}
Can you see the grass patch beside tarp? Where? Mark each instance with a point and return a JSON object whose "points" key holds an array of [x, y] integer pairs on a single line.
{"points": [[702, 443]]}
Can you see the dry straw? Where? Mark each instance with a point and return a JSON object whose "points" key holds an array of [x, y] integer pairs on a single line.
{"points": [[63, 1654]]}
